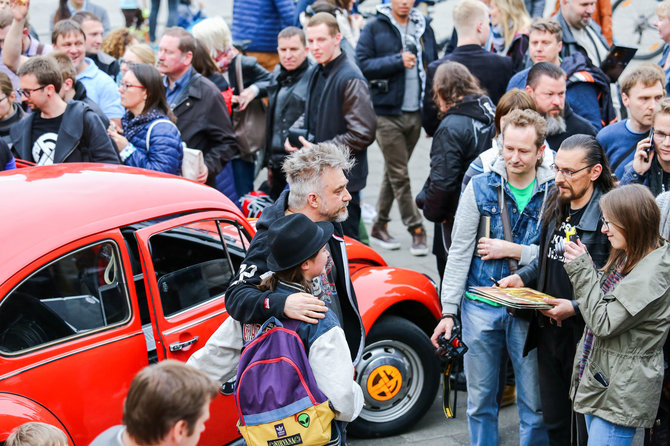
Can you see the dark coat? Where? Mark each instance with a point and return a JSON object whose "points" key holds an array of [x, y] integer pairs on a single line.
{"points": [[379, 53], [570, 45], [106, 63], [347, 118], [464, 133], [247, 304], [252, 73], [81, 137], [290, 105], [204, 123], [492, 70], [574, 124]]}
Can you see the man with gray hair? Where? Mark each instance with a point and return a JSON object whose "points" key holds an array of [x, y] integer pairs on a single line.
{"points": [[317, 189]]}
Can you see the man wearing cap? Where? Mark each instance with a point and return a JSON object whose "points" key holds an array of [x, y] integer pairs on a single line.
{"points": [[318, 190]]}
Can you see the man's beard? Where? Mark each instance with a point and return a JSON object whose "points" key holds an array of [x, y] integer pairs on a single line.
{"points": [[339, 217], [555, 125]]}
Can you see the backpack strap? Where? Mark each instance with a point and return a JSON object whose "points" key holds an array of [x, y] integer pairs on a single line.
{"points": [[616, 164], [507, 227], [151, 126]]}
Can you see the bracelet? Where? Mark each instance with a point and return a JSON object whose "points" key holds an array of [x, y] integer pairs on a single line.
{"points": [[444, 316]]}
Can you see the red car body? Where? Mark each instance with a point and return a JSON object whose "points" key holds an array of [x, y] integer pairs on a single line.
{"points": [[96, 233]]}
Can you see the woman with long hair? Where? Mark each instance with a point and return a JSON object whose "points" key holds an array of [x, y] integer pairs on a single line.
{"points": [[618, 369], [510, 22], [149, 138], [465, 131]]}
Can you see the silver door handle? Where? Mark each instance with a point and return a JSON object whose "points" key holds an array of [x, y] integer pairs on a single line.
{"points": [[176, 346]]}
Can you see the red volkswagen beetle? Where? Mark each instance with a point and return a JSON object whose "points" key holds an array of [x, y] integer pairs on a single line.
{"points": [[105, 269]]}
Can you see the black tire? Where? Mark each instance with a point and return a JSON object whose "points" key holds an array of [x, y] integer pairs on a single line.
{"points": [[404, 350]]}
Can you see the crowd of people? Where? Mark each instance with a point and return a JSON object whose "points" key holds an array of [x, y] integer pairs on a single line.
{"points": [[566, 169]]}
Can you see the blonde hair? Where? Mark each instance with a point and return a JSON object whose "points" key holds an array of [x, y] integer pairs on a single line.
{"points": [[214, 35], [663, 9], [514, 19], [648, 74], [37, 434], [662, 108], [466, 15], [144, 52]]}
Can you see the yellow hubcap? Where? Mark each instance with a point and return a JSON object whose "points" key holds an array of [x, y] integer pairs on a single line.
{"points": [[384, 383]]}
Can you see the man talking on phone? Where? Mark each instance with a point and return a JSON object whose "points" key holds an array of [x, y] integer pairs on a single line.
{"points": [[651, 164]]}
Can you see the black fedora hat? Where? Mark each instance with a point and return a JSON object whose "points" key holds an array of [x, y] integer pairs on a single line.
{"points": [[295, 238]]}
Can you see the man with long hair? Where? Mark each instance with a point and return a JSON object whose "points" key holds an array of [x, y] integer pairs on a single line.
{"points": [[582, 177]]}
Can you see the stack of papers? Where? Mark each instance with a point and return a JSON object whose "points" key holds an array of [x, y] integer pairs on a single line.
{"points": [[521, 298]]}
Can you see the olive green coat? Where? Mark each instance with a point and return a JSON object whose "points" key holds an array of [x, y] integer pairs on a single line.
{"points": [[630, 325]]}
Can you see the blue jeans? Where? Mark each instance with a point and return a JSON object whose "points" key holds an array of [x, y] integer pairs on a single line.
{"points": [[173, 16], [604, 433], [487, 330]]}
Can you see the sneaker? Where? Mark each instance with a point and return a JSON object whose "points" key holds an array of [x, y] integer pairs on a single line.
{"points": [[419, 244], [380, 236]]}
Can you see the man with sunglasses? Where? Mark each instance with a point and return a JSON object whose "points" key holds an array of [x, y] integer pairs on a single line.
{"points": [[582, 177], [651, 164], [56, 131]]}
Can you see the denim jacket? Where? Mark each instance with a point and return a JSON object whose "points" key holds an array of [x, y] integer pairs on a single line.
{"points": [[480, 198]]}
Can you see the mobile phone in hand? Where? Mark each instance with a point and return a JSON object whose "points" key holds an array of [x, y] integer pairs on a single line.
{"points": [[651, 141]]}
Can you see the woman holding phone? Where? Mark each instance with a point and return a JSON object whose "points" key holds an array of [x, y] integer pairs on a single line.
{"points": [[618, 368]]}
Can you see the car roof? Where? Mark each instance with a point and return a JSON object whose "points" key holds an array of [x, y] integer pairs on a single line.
{"points": [[44, 207]]}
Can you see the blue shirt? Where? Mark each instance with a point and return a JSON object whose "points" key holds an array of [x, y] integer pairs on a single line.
{"points": [[174, 93], [617, 139], [101, 89]]}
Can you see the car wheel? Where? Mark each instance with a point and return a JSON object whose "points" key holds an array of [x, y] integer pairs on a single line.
{"points": [[399, 374]]}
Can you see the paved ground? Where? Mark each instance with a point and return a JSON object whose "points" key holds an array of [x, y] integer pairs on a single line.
{"points": [[433, 429]]}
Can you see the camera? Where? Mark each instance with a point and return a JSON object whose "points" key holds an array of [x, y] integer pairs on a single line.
{"points": [[560, 244], [381, 85], [454, 348]]}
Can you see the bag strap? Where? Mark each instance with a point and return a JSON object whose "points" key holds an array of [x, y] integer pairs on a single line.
{"points": [[614, 166], [507, 227], [238, 74], [151, 126]]}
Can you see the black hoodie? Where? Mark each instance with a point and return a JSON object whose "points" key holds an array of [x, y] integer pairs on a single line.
{"points": [[466, 131]]}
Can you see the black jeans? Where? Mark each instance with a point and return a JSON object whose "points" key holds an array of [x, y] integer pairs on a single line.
{"points": [[555, 355]]}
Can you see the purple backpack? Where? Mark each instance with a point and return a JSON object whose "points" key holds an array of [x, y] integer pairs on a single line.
{"points": [[278, 401]]}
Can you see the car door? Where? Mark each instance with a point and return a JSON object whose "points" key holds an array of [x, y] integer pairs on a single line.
{"points": [[188, 263]]}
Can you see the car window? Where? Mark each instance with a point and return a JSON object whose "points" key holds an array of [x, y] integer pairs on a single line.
{"points": [[80, 292], [191, 263]]}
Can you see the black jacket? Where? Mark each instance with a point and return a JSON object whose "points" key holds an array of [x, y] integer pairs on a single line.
{"points": [[252, 73], [247, 304], [379, 53], [535, 273], [287, 93], [492, 70], [204, 123], [464, 133], [106, 63], [7, 124], [574, 124], [346, 115], [81, 137]]}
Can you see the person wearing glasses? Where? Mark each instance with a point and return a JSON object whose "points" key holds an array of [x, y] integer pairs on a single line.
{"points": [[582, 177], [56, 131], [149, 138], [618, 370], [651, 163]]}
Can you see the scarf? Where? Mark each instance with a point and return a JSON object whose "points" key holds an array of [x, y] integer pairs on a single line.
{"points": [[225, 58], [132, 125]]}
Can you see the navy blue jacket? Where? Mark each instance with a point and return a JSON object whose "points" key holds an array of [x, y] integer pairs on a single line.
{"points": [[164, 153], [379, 54]]}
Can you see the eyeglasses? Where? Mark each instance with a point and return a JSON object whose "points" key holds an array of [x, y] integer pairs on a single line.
{"points": [[605, 223], [125, 86], [26, 93], [660, 136], [567, 173], [3, 98]]}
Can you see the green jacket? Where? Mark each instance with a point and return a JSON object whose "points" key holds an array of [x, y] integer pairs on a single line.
{"points": [[630, 325]]}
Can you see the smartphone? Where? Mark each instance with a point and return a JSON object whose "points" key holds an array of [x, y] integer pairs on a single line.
{"points": [[651, 141]]}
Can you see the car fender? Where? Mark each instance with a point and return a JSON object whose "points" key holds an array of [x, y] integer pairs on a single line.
{"points": [[17, 409], [357, 252], [381, 289]]}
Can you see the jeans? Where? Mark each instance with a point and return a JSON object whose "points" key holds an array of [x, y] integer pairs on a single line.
{"points": [[487, 330], [153, 16], [604, 433], [243, 173], [397, 136]]}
